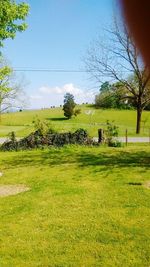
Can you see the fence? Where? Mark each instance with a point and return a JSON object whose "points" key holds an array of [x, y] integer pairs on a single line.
{"points": [[126, 138]]}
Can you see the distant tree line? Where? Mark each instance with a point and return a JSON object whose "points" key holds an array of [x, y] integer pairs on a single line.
{"points": [[115, 95]]}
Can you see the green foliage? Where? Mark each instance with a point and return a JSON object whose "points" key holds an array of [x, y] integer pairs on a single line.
{"points": [[5, 71], [110, 133], [42, 126], [77, 112], [113, 96], [5, 87], [112, 129], [9, 88], [69, 105], [11, 16], [105, 100], [12, 136], [105, 87]]}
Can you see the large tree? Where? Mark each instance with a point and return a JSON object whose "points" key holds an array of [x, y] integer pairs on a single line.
{"points": [[119, 61], [69, 105], [11, 93], [12, 15]]}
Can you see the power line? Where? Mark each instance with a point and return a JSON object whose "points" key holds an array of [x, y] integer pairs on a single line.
{"points": [[56, 70], [49, 70]]}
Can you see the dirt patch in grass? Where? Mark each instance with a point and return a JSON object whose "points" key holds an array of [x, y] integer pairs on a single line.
{"points": [[147, 185], [9, 190]]}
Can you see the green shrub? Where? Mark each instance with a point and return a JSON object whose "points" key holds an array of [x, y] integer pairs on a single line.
{"points": [[111, 133], [115, 143], [43, 126]]}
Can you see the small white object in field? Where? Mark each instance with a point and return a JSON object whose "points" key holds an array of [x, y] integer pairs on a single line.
{"points": [[1, 174], [89, 112]]}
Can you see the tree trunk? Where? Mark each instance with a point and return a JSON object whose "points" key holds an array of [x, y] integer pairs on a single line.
{"points": [[138, 122], [0, 114]]}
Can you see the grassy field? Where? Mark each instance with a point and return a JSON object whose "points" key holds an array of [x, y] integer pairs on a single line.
{"points": [[86, 207], [21, 122]]}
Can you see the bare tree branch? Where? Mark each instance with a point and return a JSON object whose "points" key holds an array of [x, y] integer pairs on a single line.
{"points": [[120, 61]]}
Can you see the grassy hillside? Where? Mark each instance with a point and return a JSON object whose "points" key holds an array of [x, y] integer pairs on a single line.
{"points": [[21, 122], [86, 207]]}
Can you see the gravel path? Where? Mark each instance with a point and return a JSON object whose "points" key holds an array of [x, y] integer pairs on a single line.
{"points": [[131, 139], [135, 139]]}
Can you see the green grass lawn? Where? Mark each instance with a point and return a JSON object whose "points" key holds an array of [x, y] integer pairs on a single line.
{"points": [[21, 122], [86, 207]]}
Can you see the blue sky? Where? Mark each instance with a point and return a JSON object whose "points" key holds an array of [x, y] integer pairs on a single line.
{"points": [[58, 35]]}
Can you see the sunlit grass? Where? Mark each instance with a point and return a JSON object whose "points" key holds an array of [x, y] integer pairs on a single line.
{"points": [[86, 207], [21, 122]]}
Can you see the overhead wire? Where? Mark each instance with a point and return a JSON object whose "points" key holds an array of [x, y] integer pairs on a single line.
{"points": [[50, 70]]}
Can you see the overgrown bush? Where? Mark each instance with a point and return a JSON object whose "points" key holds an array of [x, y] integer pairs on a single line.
{"points": [[43, 126], [38, 139], [115, 143], [11, 143], [111, 133]]}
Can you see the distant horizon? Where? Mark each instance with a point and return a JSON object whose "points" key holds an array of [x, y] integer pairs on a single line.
{"points": [[11, 110]]}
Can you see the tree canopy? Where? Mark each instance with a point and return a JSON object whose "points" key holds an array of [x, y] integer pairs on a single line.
{"points": [[10, 90], [69, 105], [12, 16], [113, 96]]}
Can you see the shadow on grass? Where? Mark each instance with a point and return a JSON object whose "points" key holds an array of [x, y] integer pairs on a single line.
{"points": [[105, 162], [134, 183], [101, 161], [57, 119]]}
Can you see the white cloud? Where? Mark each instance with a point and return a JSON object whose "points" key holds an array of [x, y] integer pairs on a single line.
{"points": [[67, 88], [48, 96], [35, 97]]}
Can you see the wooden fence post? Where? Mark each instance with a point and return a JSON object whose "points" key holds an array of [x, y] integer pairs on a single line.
{"points": [[126, 137], [100, 136]]}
